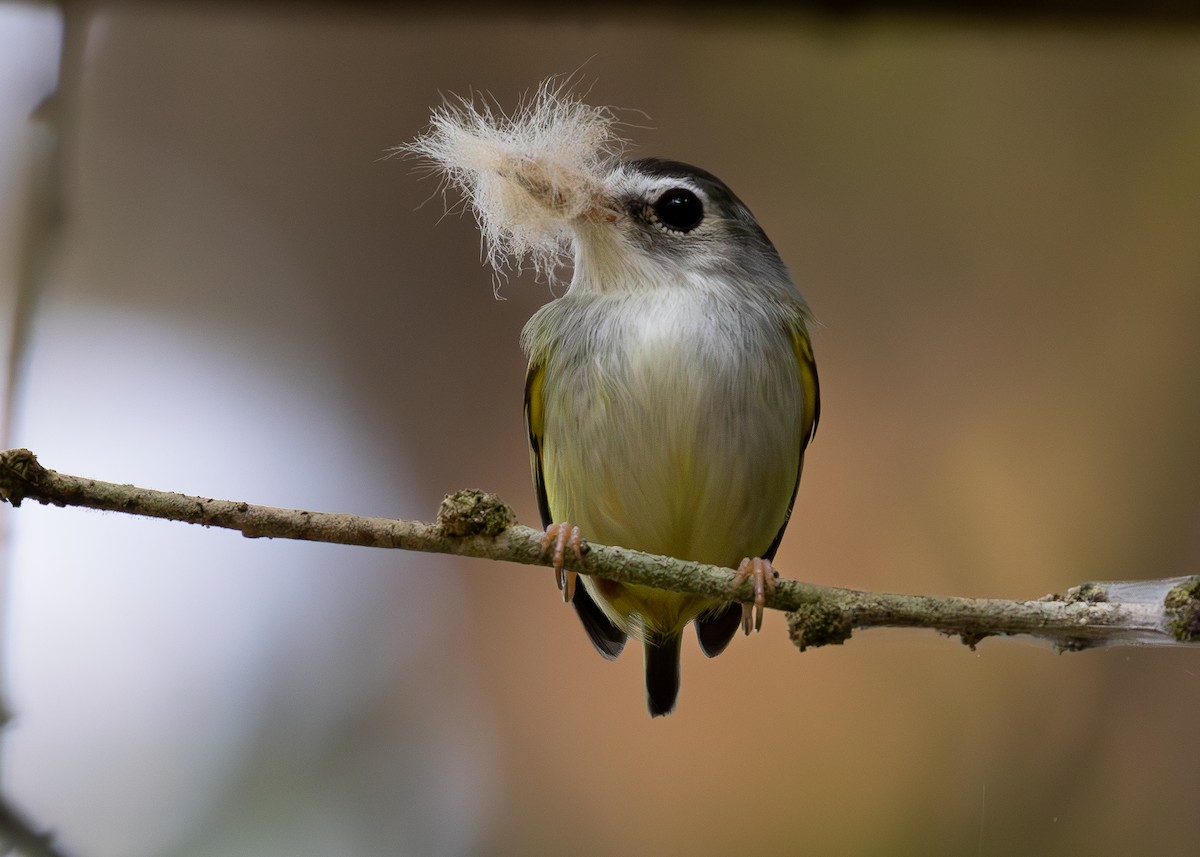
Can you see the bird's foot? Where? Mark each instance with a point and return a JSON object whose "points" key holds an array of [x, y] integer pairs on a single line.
{"points": [[763, 575], [562, 536]]}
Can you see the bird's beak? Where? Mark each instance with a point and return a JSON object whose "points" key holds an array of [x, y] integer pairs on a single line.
{"points": [[603, 214]]}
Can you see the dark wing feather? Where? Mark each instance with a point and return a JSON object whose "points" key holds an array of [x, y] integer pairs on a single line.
{"points": [[715, 630], [608, 639], [534, 415]]}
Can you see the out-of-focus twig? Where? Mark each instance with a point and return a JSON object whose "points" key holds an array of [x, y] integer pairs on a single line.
{"points": [[17, 835]]}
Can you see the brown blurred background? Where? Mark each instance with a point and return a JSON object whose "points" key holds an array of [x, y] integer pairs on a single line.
{"points": [[997, 224]]}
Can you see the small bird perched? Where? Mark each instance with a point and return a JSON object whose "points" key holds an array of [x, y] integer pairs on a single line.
{"points": [[671, 391]]}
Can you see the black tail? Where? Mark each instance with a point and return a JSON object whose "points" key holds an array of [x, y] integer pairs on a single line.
{"points": [[662, 674]]}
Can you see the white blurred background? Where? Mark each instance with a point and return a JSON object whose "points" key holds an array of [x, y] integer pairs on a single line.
{"points": [[232, 294]]}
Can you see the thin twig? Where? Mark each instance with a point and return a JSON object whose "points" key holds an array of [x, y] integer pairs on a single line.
{"points": [[17, 833], [472, 523]]}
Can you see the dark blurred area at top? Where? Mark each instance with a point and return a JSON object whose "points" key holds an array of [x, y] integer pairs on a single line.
{"points": [[1065, 12]]}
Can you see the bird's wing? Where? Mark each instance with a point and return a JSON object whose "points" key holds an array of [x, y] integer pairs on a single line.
{"points": [[535, 415], [802, 346], [807, 365]]}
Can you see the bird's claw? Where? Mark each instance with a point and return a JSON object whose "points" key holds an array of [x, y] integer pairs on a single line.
{"points": [[763, 575], [562, 536]]}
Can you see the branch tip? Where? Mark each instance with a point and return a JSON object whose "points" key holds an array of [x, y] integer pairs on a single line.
{"points": [[19, 472]]}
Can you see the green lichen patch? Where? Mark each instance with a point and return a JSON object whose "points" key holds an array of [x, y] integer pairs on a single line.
{"points": [[1090, 593], [818, 624], [1182, 606], [474, 513]]}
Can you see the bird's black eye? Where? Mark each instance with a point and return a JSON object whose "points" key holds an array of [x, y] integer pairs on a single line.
{"points": [[679, 209]]}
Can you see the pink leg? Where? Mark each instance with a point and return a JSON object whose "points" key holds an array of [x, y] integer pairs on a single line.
{"points": [[763, 574], [562, 535]]}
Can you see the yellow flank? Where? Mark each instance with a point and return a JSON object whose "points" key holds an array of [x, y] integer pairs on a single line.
{"points": [[534, 415], [534, 410], [808, 374]]}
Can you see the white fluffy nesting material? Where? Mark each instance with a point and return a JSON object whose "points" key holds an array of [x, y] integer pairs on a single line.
{"points": [[527, 175]]}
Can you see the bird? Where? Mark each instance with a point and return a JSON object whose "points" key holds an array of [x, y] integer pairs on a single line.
{"points": [[670, 397]]}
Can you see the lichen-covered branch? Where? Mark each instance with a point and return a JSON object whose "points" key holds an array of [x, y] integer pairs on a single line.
{"points": [[472, 523]]}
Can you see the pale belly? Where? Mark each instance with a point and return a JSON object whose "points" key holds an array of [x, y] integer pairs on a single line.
{"points": [[671, 448]]}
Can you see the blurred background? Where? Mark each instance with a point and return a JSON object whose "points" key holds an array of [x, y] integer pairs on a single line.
{"points": [[219, 286]]}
